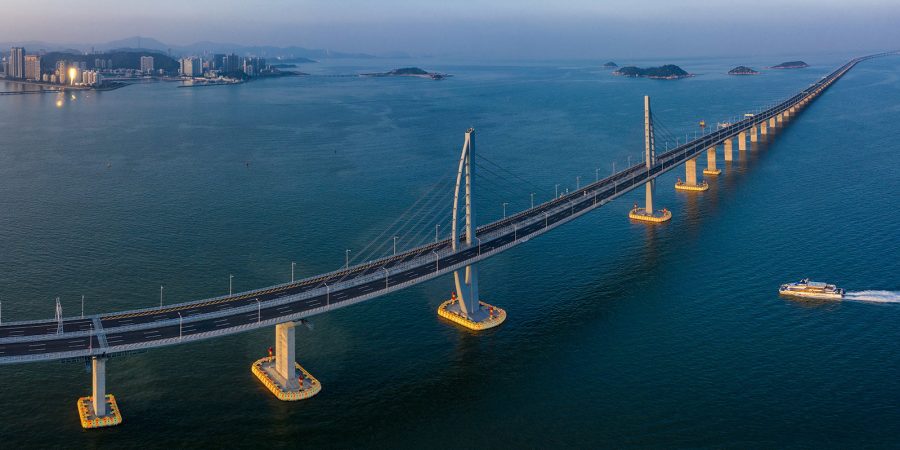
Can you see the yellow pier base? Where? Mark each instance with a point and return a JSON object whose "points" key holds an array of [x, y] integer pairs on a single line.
{"points": [[89, 420], [682, 186], [712, 172], [310, 385], [496, 316], [642, 215]]}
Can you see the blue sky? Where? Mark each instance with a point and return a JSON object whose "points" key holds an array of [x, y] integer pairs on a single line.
{"points": [[488, 29]]}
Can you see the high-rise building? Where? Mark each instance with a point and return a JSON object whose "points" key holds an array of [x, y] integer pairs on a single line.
{"points": [[33, 67], [146, 64], [254, 65], [231, 63], [16, 68], [61, 68], [191, 67]]}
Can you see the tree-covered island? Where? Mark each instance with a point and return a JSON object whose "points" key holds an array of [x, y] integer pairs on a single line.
{"points": [[666, 72]]}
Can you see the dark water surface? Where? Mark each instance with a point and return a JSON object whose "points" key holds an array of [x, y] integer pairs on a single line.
{"points": [[619, 334]]}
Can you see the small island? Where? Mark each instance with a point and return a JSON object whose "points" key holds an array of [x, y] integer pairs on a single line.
{"points": [[666, 72], [791, 65], [742, 70], [610, 65], [408, 72]]}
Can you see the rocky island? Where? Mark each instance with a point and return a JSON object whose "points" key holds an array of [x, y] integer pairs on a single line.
{"points": [[666, 72], [610, 65], [408, 72], [742, 70], [791, 65]]}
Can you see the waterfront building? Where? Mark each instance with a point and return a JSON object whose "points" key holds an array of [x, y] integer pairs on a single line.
{"points": [[16, 64], [146, 64], [231, 63], [33, 67], [191, 67]]}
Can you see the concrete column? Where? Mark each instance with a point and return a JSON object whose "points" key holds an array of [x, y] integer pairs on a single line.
{"points": [[753, 135], [690, 171], [711, 160], [742, 140], [728, 148], [763, 128], [285, 354], [649, 197], [772, 122], [99, 385], [780, 119]]}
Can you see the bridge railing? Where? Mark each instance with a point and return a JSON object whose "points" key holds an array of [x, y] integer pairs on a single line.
{"points": [[441, 249]]}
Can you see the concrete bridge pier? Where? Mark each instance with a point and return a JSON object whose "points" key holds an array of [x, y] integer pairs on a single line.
{"points": [[99, 409], [647, 213], [753, 136], [711, 168], [772, 123], [763, 128], [729, 143], [281, 373], [467, 309], [742, 141], [780, 119], [690, 178]]}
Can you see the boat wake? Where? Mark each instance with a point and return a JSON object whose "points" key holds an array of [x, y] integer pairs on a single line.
{"points": [[873, 296]]}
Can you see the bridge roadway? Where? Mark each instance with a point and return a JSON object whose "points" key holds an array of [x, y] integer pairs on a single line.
{"points": [[113, 333]]}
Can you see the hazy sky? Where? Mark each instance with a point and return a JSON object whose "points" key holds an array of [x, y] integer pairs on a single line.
{"points": [[488, 28]]}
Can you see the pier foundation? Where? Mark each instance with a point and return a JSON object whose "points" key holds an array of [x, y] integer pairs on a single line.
{"points": [[753, 135], [772, 122], [100, 409], [711, 168], [690, 178], [742, 141], [729, 143], [280, 373]]}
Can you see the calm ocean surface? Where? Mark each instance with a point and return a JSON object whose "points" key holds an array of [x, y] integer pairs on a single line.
{"points": [[619, 334]]}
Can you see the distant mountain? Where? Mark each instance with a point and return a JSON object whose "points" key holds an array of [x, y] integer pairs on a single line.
{"points": [[666, 72], [121, 59], [610, 65], [208, 47], [135, 42], [141, 43]]}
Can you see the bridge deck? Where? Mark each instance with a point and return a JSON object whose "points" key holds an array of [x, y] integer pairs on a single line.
{"points": [[186, 322]]}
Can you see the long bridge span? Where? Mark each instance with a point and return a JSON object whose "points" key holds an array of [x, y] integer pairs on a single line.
{"points": [[97, 337]]}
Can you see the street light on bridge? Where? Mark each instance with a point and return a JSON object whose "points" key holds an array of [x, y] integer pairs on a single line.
{"points": [[160, 300], [293, 264], [347, 259], [230, 277], [504, 209], [395, 245], [557, 192]]}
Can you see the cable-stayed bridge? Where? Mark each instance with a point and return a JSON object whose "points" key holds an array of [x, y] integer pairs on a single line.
{"points": [[97, 337]]}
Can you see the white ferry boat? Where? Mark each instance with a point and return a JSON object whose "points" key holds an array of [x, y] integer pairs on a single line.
{"points": [[811, 289]]}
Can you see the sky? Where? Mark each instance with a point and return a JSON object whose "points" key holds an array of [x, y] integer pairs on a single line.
{"points": [[545, 29]]}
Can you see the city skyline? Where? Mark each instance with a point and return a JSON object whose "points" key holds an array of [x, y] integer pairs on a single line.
{"points": [[530, 29]]}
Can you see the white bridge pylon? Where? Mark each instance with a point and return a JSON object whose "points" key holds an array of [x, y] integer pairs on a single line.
{"points": [[466, 307]]}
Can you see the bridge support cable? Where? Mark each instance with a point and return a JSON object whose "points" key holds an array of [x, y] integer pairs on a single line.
{"points": [[413, 215], [464, 306], [647, 213]]}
